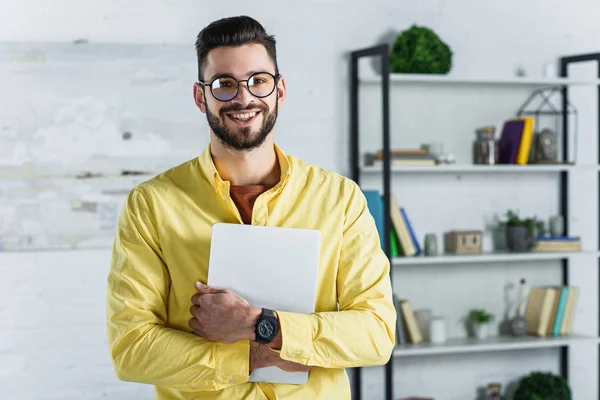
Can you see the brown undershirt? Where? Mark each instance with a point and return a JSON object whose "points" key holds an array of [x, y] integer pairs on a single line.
{"points": [[244, 198]]}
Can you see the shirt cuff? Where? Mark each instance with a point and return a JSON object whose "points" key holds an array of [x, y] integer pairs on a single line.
{"points": [[233, 362], [296, 337]]}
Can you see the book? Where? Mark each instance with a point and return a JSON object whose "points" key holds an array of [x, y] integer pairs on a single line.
{"points": [[553, 314], [410, 321], [560, 310], [539, 309], [400, 326], [556, 243], [411, 230], [414, 162], [570, 306], [550, 310], [510, 141], [526, 139], [375, 206], [394, 243], [543, 246], [404, 237], [401, 241]]}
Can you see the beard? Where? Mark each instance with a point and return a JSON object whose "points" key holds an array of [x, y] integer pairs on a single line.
{"points": [[242, 139]]}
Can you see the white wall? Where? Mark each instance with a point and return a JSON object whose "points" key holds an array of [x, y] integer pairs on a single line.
{"points": [[314, 38], [52, 329]]}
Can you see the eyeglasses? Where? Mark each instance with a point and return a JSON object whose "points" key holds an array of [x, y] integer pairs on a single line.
{"points": [[225, 88]]}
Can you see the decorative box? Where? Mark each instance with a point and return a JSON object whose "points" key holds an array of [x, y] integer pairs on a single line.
{"points": [[464, 242]]}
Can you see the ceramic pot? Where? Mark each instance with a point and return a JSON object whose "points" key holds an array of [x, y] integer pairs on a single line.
{"points": [[518, 238]]}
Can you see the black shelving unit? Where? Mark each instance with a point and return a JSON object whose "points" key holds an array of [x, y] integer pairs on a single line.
{"points": [[382, 52], [564, 72]]}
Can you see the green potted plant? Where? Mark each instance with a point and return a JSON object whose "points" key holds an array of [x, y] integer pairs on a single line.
{"points": [[419, 50], [480, 319], [542, 386], [520, 232]]}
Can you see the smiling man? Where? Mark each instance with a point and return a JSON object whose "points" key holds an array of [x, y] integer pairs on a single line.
{"points": [[166, 327]]}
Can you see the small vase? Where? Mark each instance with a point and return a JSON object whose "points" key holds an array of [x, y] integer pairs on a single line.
{"points": [[431, 244], [519, 326], [480, 331], [437, 330], [557, 225]]}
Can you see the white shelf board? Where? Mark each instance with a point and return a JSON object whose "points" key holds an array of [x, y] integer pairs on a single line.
{"points": [[486, 257], [492, 343], [473, 80], [468, 168]]}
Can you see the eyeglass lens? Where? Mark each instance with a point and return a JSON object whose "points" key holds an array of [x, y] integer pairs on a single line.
{"points": [[260, 85]]}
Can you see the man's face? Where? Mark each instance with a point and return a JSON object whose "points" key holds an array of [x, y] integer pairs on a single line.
{"points": [[244, 122]]}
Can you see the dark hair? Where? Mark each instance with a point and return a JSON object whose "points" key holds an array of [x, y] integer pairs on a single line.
{"points": [[233, 32]]}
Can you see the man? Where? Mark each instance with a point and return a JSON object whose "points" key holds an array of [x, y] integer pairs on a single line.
{"points": [[166, 327]]}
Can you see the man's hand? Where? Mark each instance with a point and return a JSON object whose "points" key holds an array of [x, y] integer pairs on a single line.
{"points": [[222, 316], [262, 356]]}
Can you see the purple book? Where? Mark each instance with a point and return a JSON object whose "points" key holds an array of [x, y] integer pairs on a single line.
{"points": [[510, 140]]}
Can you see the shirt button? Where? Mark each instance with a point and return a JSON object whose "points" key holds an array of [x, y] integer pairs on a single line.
{"points": [[192, 387], [232, 381], [292, 355]]}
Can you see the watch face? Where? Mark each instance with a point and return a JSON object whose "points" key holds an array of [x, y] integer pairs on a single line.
{"points": [[266, 328]]}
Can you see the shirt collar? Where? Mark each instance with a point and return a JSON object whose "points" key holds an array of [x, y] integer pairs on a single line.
{"points": [[207, 166]]}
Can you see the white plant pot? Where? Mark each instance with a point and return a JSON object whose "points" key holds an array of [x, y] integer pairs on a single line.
{"points": [[481, 331]]}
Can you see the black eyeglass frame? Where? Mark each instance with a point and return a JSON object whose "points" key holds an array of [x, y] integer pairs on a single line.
{"points": [[238, 82]]}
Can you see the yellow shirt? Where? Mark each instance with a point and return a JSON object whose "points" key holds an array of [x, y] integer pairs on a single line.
{"points": [[162, 247]]}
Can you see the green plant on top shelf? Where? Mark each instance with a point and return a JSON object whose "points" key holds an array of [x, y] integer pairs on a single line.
{"points": [[419, 50], [542, 386], [480, 316]]}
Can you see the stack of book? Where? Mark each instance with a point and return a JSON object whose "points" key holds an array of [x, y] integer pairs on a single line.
{"points": [[556, 243], [413, 157], [403, 240], [550, 310]]}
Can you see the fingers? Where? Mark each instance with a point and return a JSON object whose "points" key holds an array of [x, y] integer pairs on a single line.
{"points": [[194, 324], [195, 311], [197, 299], [204, 289], [201, 299]]}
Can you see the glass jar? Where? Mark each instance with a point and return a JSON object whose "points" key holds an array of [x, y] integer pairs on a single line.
{"points": [[485, 148]]}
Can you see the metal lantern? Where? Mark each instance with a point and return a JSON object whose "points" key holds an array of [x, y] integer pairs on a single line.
{"points": [[551, 111]]}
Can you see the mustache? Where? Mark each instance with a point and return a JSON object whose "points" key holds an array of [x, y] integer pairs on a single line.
{"points": [[240, 107]]}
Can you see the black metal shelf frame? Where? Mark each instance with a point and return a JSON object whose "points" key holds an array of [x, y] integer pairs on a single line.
{"points": [[564, 72], [382, 51]]}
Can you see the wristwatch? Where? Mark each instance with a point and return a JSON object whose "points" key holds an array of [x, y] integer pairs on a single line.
{"points": [[266, 327]]}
